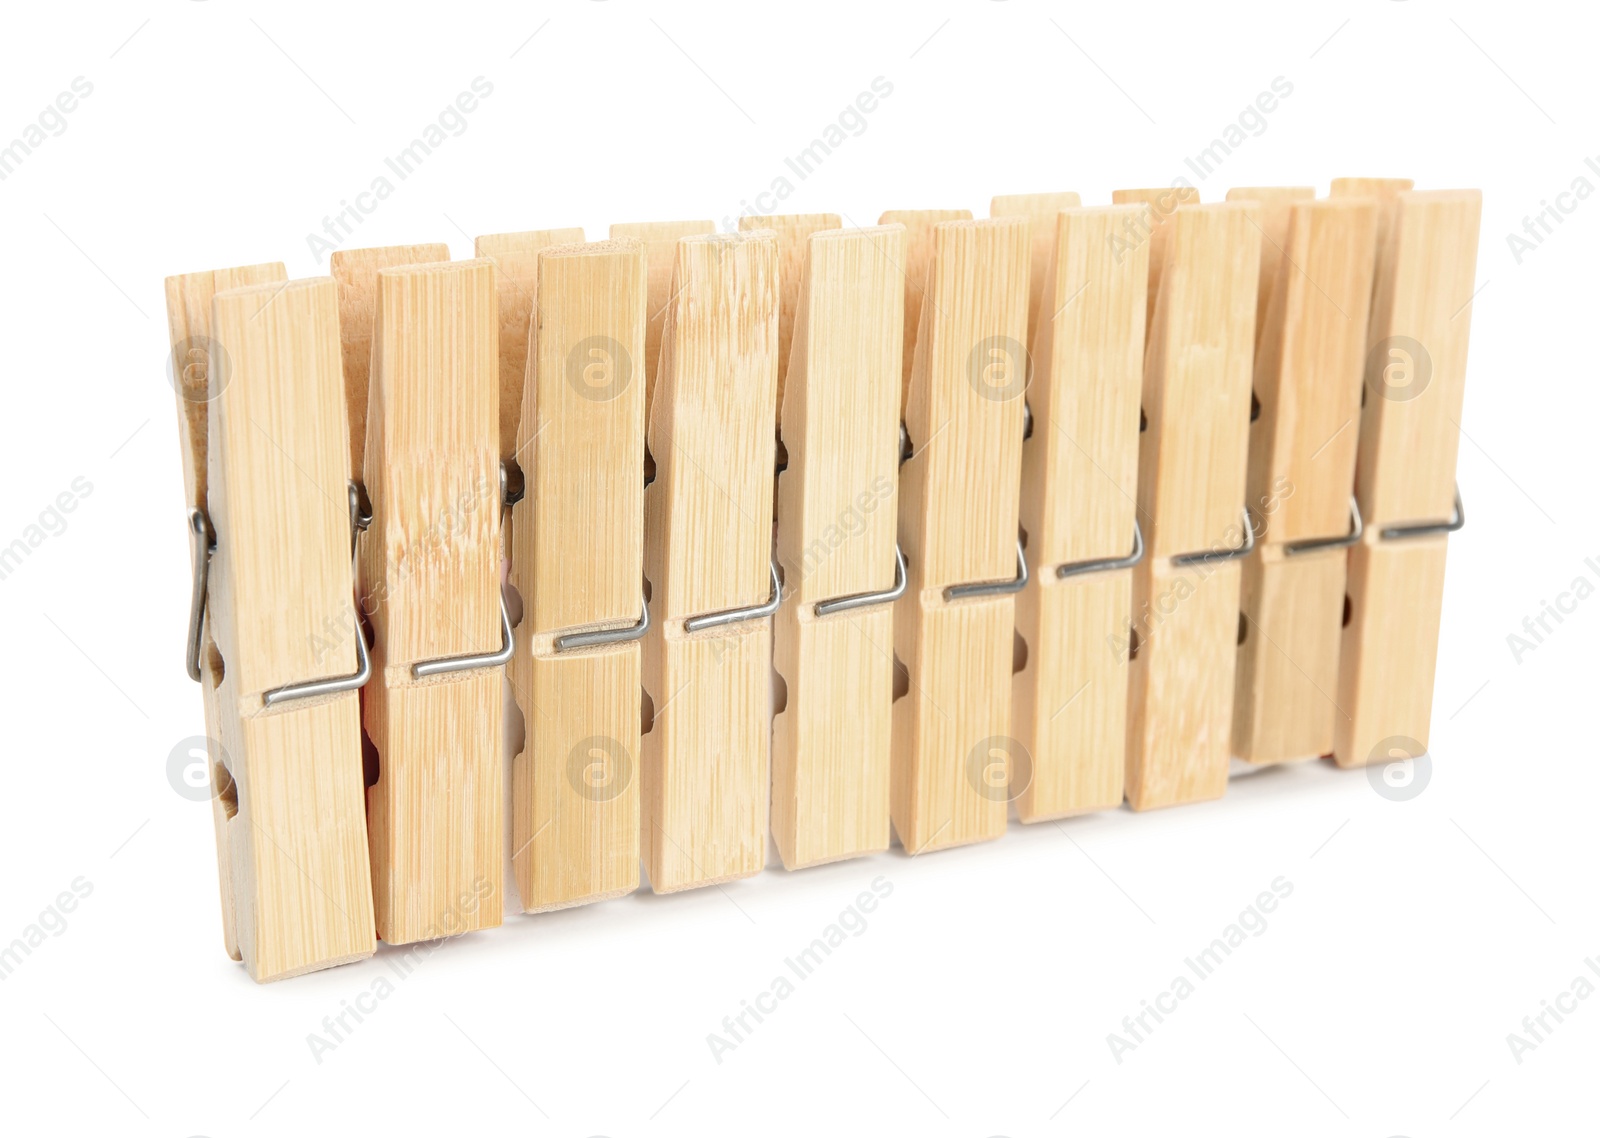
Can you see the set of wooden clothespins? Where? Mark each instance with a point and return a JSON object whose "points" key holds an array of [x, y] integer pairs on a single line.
{"points": [[1206, 519]]}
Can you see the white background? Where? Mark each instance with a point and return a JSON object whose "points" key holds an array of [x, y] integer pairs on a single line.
{"points": [[1419, 933]]}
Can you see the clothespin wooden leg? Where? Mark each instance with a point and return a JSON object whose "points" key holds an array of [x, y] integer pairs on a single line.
{"points": [[1307, 389], [1405, 472], [577, 561], [708, 550], [189, 300], [955, 626], [1079, 474], [834, 635], [430, 583], [1192, 460], [289, 657]]}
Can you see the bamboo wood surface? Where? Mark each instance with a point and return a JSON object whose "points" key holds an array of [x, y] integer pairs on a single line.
{"points": [[1274, 218], [1079, 479], [356, 273], [708, 542], [920, 227], [429, 573], [577, 561], [794, 230], [958, 525], [1405, 470], [281, 612], [836, 537], [1192, 464], [1308, 373], [516, 260], [1041, 211], [1153, 227], [189, 298], [661, 255]]}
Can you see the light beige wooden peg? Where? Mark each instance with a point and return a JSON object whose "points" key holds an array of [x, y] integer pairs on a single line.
{"points": [[1274, 218], [273, 632], [1192, 458], [661, 255], [1080, 467], [189, 300], [708, 558], [1405, 474], [794, 231], [356, 273], [834, 634], [577, 561], [429, 571], [1041, 210], [920, 226], [515, 257], [953, 753], [1152, 227], [1308, 370]]}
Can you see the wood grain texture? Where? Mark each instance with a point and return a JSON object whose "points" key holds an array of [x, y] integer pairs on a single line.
{"points": [[661, 255], [1079, 479], [356, 273], [1180, 682], [1041, 211], [1192, 464], [1152, 228], [281, 609], [1197, 372], [835, 538], [708, 542], [794, 231], [189, 331], [429, 573], [515, 257], [1390, 649], [1417, 358], [1274, 219], [920, 226], [577, 561], [958, 525], [1405, 471], [1308, 371], [189, 298]]}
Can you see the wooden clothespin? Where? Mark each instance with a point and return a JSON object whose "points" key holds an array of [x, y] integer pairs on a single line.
{"points": [[1307, 389], [515, 257], [842, 570], [1080, 465], [272, 634], [429, 570], [1152, 226], [954, 628], [794, 231], [577, 561], [1041, 210], [1405, 473], [1192, 459], [708, 558], [1274, 203], [920, 230], [189, 300], [661, 256]]}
